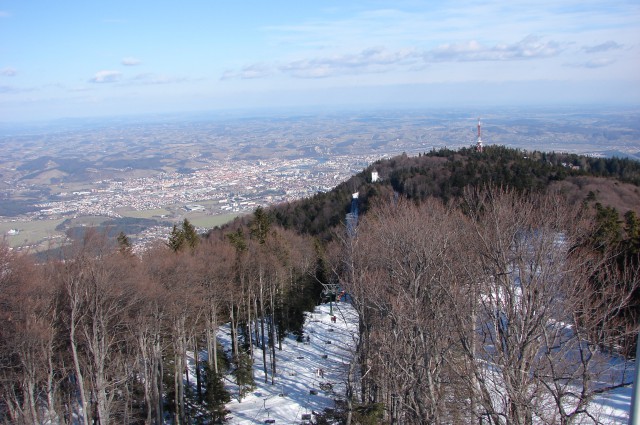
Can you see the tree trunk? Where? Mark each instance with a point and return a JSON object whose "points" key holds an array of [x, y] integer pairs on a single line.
{"points": [[159, 384], [264, 348], [177, 376], [51, 407], [273, 338], [215, 344], [262, 337], [147, 373], [196, 356], [84, 416], [349, 391], [234, 331]]}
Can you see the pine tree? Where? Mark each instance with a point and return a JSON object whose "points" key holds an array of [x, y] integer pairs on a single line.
{"points": [[237, 240], [632, 228], [608, 232], [244, 374], [260, 225], [124, 244], [176, 239], [216, 396], [183, 236], [189, 234]]}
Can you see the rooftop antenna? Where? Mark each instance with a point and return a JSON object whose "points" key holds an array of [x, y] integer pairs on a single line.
{"points": [[479, 141]]}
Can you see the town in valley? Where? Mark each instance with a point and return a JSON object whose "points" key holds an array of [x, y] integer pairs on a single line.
{"points": [[210, 168]]}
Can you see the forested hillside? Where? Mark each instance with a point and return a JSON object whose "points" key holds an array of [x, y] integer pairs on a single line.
{"points": [[445, 173], [499, 286]]}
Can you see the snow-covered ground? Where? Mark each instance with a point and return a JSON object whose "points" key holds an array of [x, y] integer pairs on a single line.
{"points": [[306, 367], [302, 368], [613, 407]]}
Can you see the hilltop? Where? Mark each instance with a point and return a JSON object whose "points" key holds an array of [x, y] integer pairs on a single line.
{"points": [[444, 174]]}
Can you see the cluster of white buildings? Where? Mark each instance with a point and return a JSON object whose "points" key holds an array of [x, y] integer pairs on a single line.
{"points": [[232, 186]]}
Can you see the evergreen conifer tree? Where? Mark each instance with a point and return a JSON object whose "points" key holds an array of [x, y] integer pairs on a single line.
{"points": [[216, 396], [632, 229], [260, 225], [183, 236], [244, 374], [124, 244], [609, 227], [189, 234], [176, 239], [237, 240]]}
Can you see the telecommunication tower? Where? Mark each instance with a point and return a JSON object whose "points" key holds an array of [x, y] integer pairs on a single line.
{"points": [[479, 141]]}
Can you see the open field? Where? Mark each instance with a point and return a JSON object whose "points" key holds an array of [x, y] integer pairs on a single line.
{"points": [[40, 234], [158, 212], [88, 221], [197, 218], [30, 232], [209, 221]]}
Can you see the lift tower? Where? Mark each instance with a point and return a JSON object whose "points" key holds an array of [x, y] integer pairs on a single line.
{"points": [[479, 140], [352, 217], [332, 290]]}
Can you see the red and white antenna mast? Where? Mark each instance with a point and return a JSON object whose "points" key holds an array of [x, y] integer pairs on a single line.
{"points": [[479, 141]]}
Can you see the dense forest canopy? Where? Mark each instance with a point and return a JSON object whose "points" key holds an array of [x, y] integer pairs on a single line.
{"points": [[519, 260]]}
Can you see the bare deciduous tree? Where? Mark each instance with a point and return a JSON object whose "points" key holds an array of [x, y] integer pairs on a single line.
{"points": [[487, 312], [398, 282], [100, 292], [28, 340], [530, 277]]}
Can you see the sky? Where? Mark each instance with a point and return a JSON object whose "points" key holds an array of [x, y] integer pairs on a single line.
{"points": [[97, 58]]}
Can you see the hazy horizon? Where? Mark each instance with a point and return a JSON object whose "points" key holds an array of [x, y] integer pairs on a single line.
{"points": [[65, 59]]}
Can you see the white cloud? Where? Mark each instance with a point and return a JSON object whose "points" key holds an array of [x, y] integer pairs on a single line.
{"points": [[106, 77], [593, 63], [14, 90], [429, 24], [4, 14], [309, 69], [8, 72], [257, 70], [154, 79], [79, 89], [604, 47], [375, 59], [8, 89], [530, 47], [143, 79], [599, 63], [130, 61], [384, 60]]}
